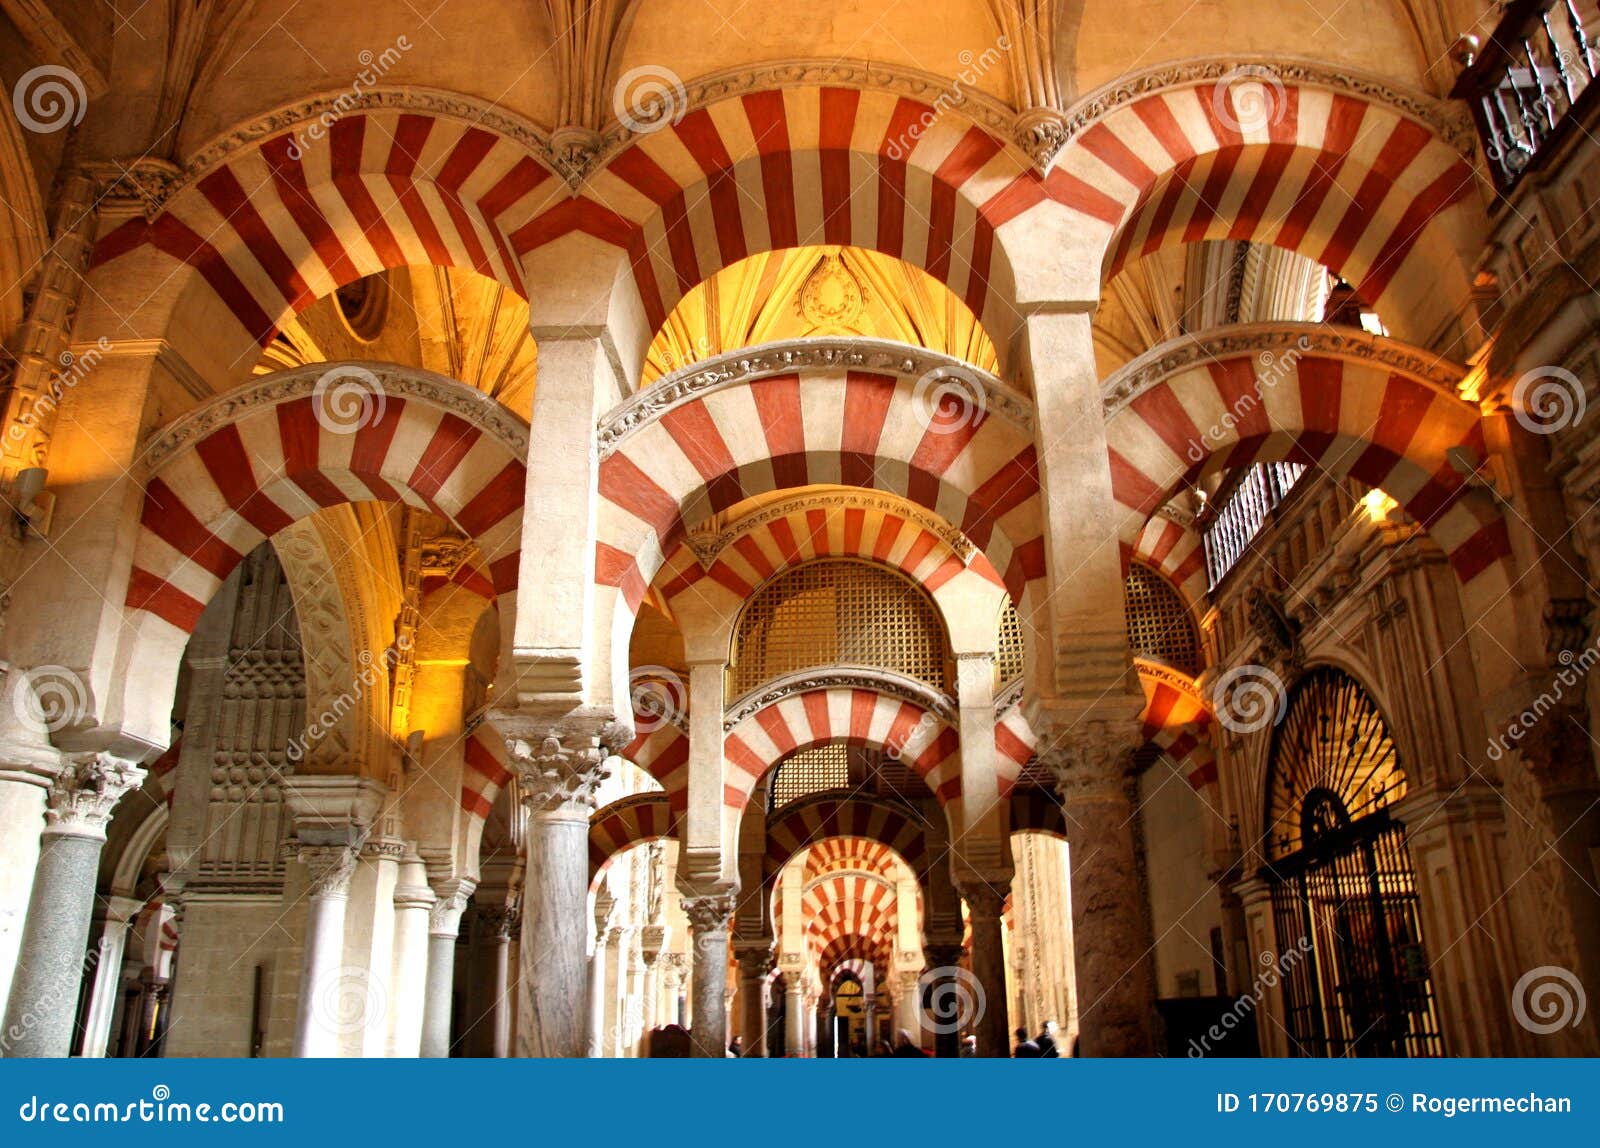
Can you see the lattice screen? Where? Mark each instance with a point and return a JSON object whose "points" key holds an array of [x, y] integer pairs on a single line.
{"points": [[838, 612], [810, 771], [1008, 649], [1159, 625]]}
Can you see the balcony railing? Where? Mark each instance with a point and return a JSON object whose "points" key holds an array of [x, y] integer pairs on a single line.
{"points": [[1236, 515], [1523, 84]]}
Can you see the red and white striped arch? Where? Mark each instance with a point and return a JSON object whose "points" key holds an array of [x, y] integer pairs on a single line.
{"points": [[1176, 719], [849, 904], [865, 854], [928, 743], [1356, 185], [1358, 417], [778, 169], [661, 749], [484, 773], [214, 500], [274, 228], [875, 534], [821, 426], [1174, 550], [810, 822], [627, 822]]}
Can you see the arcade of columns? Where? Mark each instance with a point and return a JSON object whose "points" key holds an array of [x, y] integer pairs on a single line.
{"points": [[394, 475]]}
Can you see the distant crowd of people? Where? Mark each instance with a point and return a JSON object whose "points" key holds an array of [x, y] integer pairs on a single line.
{"points": [[673, 1041]]}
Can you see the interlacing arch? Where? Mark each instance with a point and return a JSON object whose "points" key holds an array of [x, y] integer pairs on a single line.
{"points": [[1176, 720], [1348, 404], [754, 423], [660, 747], [847, 904], [627, 822], [1364, 187], [239, 469], [277, 225], [1174, 549]]}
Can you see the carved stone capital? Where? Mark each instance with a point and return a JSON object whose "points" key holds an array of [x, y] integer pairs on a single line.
{"points": [[1041, 133], [710, 912], [1093, 762], [560, 771], [985, 898], [444, 917], [756, 959], [499, 922], [943, 955], [85, 793], [652, 939], [330, 868]]}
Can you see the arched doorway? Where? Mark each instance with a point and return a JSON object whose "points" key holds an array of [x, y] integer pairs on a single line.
{"points": [[1355, 970]]}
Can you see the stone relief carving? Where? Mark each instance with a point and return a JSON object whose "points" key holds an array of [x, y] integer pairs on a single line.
{"points": [[749, 364], [85, 793]]}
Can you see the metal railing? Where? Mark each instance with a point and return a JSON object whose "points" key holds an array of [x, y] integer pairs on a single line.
{"points": [[1240, 509]]}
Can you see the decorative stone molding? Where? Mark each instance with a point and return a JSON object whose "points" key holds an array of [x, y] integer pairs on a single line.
{"points": [[1450, 122], [85, 793], [1566, 628], [476, 407], [943, 955], [709, 912], [1041, 133], [881, 681], [138, 185], [1265, 341], [413, 897], [1009, 697], [562, 771], [330, 868], [708, 545], [748, 364], [444, 917], [574, 152], [1093, 761]]}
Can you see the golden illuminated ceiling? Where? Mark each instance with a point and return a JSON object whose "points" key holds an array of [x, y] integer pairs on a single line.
{"points": [[817, 291]]}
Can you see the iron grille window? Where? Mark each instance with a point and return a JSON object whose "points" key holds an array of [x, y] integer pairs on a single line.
{"points": [[1008, 649], [1159, 625], [814, 770], [1240, 513], [838, 612], [1344, 900]]}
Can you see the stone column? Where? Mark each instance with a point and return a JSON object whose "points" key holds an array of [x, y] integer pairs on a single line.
{"points": [[709, 914], [118, 915], [25, 777], [55, 936], [412, 902], [794, 1015], [1271, 1017], [331, 868], [559, 770], [908, 1004], [755, 962], [498, 925], [1110, 912], [942, 1017], [651, 941], [604, 906], [444, 927], [987, 1015]]}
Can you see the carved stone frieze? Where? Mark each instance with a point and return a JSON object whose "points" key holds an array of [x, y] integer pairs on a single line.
{"points": [[1267, 343], [747, 365], [881, 681], [405, 382]]}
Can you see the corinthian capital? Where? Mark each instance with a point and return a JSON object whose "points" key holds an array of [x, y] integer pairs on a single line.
{"points": [[709, 913], [561, 769], [330, 867], [84, 794], [1093, 759]]}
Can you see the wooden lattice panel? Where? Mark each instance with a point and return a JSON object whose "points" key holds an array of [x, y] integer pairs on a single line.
{"points": [[1159, 624]]}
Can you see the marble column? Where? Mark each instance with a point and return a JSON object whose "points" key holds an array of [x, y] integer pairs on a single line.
{"points": [[498, 924], [51, 957], [114, 923], [331, 868], [908, 1005], [794, 1016], [651, 940], [444, 927], [604, 907], [755, 962], [25, 777], [559, 770], [944, 976], [987, 1016], [412, 902], [709, 914], [1110, 911]]}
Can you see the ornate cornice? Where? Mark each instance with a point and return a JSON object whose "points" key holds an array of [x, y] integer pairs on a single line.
{"points": [[1271, 344], [472, 405], [863, 678], [708, 546], [749, 364], [1450, 123]]}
